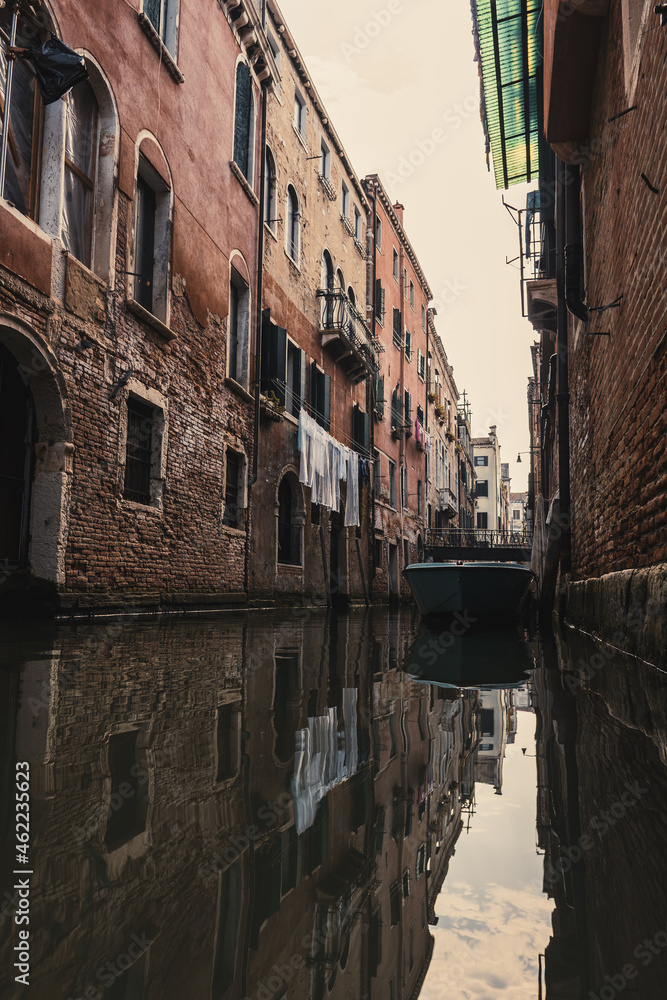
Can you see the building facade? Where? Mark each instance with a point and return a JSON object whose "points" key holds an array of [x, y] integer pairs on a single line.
{"points": [[488, 489], [443, 398]]}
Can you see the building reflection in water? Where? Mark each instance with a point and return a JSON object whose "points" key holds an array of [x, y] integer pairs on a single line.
{"points": [[233, 808], [266, 806], [601, 816]]}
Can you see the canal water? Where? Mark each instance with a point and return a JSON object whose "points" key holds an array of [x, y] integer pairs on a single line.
{"points": [[300, 805]]}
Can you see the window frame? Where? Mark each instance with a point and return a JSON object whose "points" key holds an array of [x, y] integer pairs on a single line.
{"points": [[248, 148], [168, 29], [149, 400], [300, 118], [238, 327], [293, 226], [160, 299]]}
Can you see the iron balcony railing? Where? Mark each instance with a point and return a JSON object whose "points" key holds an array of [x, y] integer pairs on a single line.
{"points": [[477, 537], [340, 316], [537, 243]]}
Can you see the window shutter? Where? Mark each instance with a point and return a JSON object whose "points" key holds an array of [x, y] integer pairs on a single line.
{"points": [[378, 297], [302, 377], [327, 402], [279, 361], [365, 432]]}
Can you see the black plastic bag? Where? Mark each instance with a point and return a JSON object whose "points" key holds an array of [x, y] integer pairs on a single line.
{"points": [[57, 68]]}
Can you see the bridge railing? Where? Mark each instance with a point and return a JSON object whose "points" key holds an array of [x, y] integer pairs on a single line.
{"points": [[476, 537]]}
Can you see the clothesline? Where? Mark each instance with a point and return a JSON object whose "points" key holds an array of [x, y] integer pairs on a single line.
{"points": [[325, 463]]}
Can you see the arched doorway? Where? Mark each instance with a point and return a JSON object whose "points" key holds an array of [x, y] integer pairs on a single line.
{"points": [[35, 455], [17, 441]]}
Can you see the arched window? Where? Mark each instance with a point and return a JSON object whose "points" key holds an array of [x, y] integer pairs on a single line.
{"points": [[153, 199], [292, 234], [81, 145], [270, 183], [290, 521], [327, 272], [340, 280], [244, 122], [352, 297]]}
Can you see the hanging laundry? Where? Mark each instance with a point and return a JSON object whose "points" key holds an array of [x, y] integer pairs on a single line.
{"points": [[325, 463]]}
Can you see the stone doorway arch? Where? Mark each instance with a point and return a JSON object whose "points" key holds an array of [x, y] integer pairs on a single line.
{"points": [[49, 449]]}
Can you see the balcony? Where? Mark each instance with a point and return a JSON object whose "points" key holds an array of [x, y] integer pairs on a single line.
{"points": [[345, 332], [537, 261], [447, 502]]}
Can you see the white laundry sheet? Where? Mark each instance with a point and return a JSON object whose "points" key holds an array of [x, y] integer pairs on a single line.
{"points": [[325, 463], [325, 756]]}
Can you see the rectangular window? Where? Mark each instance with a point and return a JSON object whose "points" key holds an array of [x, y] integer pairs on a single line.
{"points": [[163, 15], [299, 114], [406, 553], [139, 451], [406, 877], [408, 345], [233, 493], [378, 233], [423, 317], [419, 497], [407, 415], [392, 484], [396, 328], [481, 460], [145, 244], [421, 861], [378, 392], [345, 201], [80, 167], [412, 295], [405, 282], [325, 160], [404, 486], [357, 224], [128, 770], [482, 519], [379, 302], [377, 472], [314, 513], [516, 515], [420, 415], [320, 396], [227, 739], [482, 487], [395, 903], [421, 365], [395, 264]]}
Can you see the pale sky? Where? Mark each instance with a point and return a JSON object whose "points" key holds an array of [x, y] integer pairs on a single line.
{"points": [[390, 73]]}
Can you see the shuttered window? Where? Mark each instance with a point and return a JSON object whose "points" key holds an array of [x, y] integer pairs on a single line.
{"points": [[320, 396], [379, 302]]}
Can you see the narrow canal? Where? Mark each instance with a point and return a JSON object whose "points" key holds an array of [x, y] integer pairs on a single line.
{"points": [[303, 805]]}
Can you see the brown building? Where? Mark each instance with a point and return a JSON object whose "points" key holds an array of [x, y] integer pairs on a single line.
{"points": [[317, 352], [594, 139], [128, 235]]}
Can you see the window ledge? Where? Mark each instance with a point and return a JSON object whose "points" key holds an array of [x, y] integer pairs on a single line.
{"points": [[289, 568], [239, 389], [233, 532], [148, 317], [293, 262], [300, 137], [160, 48], [152, 509], [243, 181]]}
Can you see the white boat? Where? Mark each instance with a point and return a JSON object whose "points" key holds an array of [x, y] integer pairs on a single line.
{"points": [[480, 589]]}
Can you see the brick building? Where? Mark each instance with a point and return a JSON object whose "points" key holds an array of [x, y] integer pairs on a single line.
{"points": [[594, 140], [443, 468], [400, 308], [317, 351], [183, 304], [126, 326]]}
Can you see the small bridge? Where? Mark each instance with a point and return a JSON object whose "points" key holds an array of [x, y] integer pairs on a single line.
{"points": [[479, 544]]}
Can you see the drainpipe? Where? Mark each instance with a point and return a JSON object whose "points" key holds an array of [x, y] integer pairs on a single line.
{"points": [[566, 177], [372, 412], [258, 328], [427, 463]]}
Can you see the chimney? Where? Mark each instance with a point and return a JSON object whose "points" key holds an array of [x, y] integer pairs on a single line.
{"points": [[492, 430], [399, 209]]}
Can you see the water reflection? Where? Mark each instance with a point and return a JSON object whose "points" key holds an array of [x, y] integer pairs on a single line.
{"points": [[266, 807]]}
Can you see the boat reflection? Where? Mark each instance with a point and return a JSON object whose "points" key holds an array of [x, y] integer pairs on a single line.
{"points": [[463, 658]]}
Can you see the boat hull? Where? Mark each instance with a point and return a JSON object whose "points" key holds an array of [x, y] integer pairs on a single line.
{"points": [[480, 589]]}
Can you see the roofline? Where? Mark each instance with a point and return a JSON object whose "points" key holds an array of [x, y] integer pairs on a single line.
{"points": [[325, 121], [398, 226], [437, 339]]}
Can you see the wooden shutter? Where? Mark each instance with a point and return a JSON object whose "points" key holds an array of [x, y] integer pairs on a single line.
{"points": [[302, 377], [327, 402]]}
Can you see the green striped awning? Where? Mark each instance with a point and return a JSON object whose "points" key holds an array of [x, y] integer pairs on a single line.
{"points": [[507, 37]]}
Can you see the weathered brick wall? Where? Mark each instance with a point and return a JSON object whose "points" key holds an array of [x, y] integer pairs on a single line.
{"points": [[618, 423]]}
